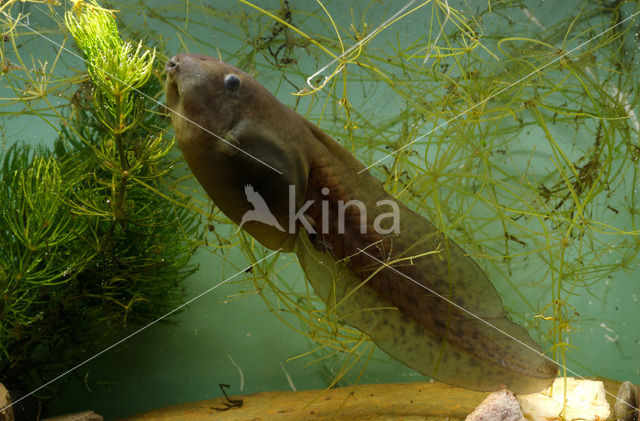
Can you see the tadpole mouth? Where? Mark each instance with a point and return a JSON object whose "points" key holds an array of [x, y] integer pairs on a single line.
{"points": [[173, 64], [172, 93], [189, 83]]}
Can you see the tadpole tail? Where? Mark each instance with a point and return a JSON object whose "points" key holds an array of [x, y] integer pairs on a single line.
{"points": [[450, 322]]}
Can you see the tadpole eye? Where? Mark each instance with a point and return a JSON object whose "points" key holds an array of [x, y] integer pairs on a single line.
{"points": [[231, 82]]}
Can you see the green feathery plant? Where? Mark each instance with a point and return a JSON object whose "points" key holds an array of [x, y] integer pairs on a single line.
{"points": [[92, 236]]}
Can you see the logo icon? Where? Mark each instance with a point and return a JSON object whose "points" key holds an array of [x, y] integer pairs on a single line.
{"points": [[260, 211]]}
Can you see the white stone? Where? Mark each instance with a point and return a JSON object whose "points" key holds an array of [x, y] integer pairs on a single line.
{"points": [[5, 401], [586, 400], [498, 406]]}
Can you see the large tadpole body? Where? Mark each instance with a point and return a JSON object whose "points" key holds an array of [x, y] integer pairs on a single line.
{"points": [[415, 292]]}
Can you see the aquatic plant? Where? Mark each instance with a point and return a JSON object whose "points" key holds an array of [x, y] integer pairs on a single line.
{"points": [[92, 239]]}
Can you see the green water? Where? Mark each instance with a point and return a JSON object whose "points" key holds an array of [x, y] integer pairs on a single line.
{"points": [[229, 335]]}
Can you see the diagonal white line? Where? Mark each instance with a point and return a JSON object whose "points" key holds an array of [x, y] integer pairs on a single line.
{"points": [[139, 92], [138, 331], [478, 318], [500, 91], [375, 32]]}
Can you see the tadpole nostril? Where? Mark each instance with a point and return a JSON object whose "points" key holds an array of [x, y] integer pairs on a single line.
{"points": [[173, 64]]}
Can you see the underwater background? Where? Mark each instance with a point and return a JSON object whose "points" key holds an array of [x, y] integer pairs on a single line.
{"points": [[517, 124]]}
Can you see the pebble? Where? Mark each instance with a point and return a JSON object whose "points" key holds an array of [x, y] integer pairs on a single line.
{"points": [[627, 400], [498, 406]]}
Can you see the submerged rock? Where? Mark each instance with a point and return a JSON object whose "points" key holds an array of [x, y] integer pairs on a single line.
{"points": [[626, 406], [498, 406], [5, 400], [586, 400], [79, 416]]}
